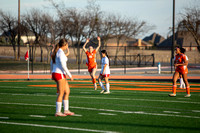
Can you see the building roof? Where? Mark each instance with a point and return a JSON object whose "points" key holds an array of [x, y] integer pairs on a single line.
{"points": [[154, 39]]}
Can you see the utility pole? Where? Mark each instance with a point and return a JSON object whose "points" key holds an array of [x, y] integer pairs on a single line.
{"points": [[19, 36], [173, 39]]}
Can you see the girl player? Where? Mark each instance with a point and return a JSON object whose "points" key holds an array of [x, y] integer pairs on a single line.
{"points": [[180, 63], [91, 60], [59, 72], [105, 72]]}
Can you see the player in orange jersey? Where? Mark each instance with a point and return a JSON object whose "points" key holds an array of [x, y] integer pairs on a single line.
{"points": [[91, 60], [180, 64]]}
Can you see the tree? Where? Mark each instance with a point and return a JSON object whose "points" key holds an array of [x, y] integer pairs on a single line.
{"points": [[8, 25], [190, 21]]}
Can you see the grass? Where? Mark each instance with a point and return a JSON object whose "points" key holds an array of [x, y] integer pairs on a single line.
{"points": [[121, 111]]}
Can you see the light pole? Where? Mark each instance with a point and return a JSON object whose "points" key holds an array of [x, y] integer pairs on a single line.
{"points": [[173, 39], [19, 36]]}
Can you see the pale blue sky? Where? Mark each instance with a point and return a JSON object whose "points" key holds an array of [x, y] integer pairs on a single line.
{"points": [[155, 12]]}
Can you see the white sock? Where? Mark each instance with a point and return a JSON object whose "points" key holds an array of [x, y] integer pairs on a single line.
{"points": [[108, 87], [182, 84], [101, 84], [95, 84], [58, 106], [66, 104]]}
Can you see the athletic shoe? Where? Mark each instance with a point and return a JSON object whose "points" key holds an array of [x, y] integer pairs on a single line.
{"points": [[172, 95], [106, 93], [68, 112], [60, 114], [188, 95], [102, 91]]}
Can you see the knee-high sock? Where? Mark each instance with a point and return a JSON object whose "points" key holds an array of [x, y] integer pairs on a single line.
{"points": [[66, 104], [174, 89], [188, 89], [94, 80], [108, 87], [182, 84], [101, 84], [58, 106]]}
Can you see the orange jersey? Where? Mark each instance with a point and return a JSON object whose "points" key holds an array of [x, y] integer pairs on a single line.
{"points": [[91, 59], [179, 59]]}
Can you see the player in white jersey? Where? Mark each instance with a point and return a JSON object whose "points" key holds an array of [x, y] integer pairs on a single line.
{"points": [[105, 72], [59, 61]]}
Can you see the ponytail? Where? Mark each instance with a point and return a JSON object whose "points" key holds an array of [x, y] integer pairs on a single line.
{"points": [[105, 52], [53, 56]]}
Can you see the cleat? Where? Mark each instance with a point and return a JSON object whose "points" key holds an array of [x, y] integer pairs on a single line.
{"points": [[106, 93], [68, 112], [102, 91], [60, 114], [188, 95], [172, 95]]}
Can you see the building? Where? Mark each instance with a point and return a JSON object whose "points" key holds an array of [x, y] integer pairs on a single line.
{"points": [[154, 39]]}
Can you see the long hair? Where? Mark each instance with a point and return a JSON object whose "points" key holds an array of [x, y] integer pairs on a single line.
{"points": [[182, 50], [61, 43], [105, 52]]}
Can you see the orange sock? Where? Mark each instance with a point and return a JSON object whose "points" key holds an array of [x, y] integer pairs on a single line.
{"points": [[174, 89], [188, 90], [94, 80]]}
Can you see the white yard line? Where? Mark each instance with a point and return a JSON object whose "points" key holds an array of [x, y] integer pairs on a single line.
{"points": [[109, 110], [39, 116], [57, 127], [108, 98], [4, 117], [107, 114], [172, 112]]}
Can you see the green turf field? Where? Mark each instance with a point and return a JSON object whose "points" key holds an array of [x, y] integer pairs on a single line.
{"points": [[25, 109]]}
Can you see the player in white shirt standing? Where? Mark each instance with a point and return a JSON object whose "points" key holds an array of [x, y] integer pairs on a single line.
{"points": [[59, 63], [105, 72]]}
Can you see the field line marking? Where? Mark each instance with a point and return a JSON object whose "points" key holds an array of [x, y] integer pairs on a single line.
{"points": [[173, 112], [106, 114], [39, 116], [58, 127], [125, 99], [4, 117], [108, 110]]}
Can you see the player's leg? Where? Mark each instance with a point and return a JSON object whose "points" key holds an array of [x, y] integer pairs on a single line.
{"points": [[66, 99], [182, 84], [175, 77], [60, 84], [107, 85], [185, 79], [92, 74], [101, 84]]}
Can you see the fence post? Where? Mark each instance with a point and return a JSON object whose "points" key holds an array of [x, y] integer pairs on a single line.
{"points": [[139, 60], [32, 58], [153, 60], [125, 60], [78, 59]]}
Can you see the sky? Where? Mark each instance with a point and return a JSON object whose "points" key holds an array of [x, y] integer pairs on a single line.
{"points": [[154, 12]]}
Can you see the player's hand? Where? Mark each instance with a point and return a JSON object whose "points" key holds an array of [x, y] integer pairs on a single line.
{"points": [[87, 40], [72, 79], [98, 38]]}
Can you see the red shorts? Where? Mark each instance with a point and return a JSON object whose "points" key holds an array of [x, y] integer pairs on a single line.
{"points": [[181, 70], [91, 68], [58, 76], [105, 75]]}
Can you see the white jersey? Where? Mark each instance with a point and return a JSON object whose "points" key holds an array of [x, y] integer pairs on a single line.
{"points": [[60, 65], [104, 61]]}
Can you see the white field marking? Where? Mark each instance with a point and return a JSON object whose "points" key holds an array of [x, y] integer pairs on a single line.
{"points": [[30, 87], [4, 117], [107, 98], [108, 110], [182, 98], [172, 112], [197, 111], [40, 116], [107, 114], [77, 115], [57, 127]]}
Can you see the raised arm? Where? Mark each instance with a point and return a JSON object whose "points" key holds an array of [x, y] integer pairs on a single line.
{"points": [[99, 39], [85, 44]]}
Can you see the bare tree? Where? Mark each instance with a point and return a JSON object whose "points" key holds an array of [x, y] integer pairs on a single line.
{"points": [[190, 21], [8, 25]]}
